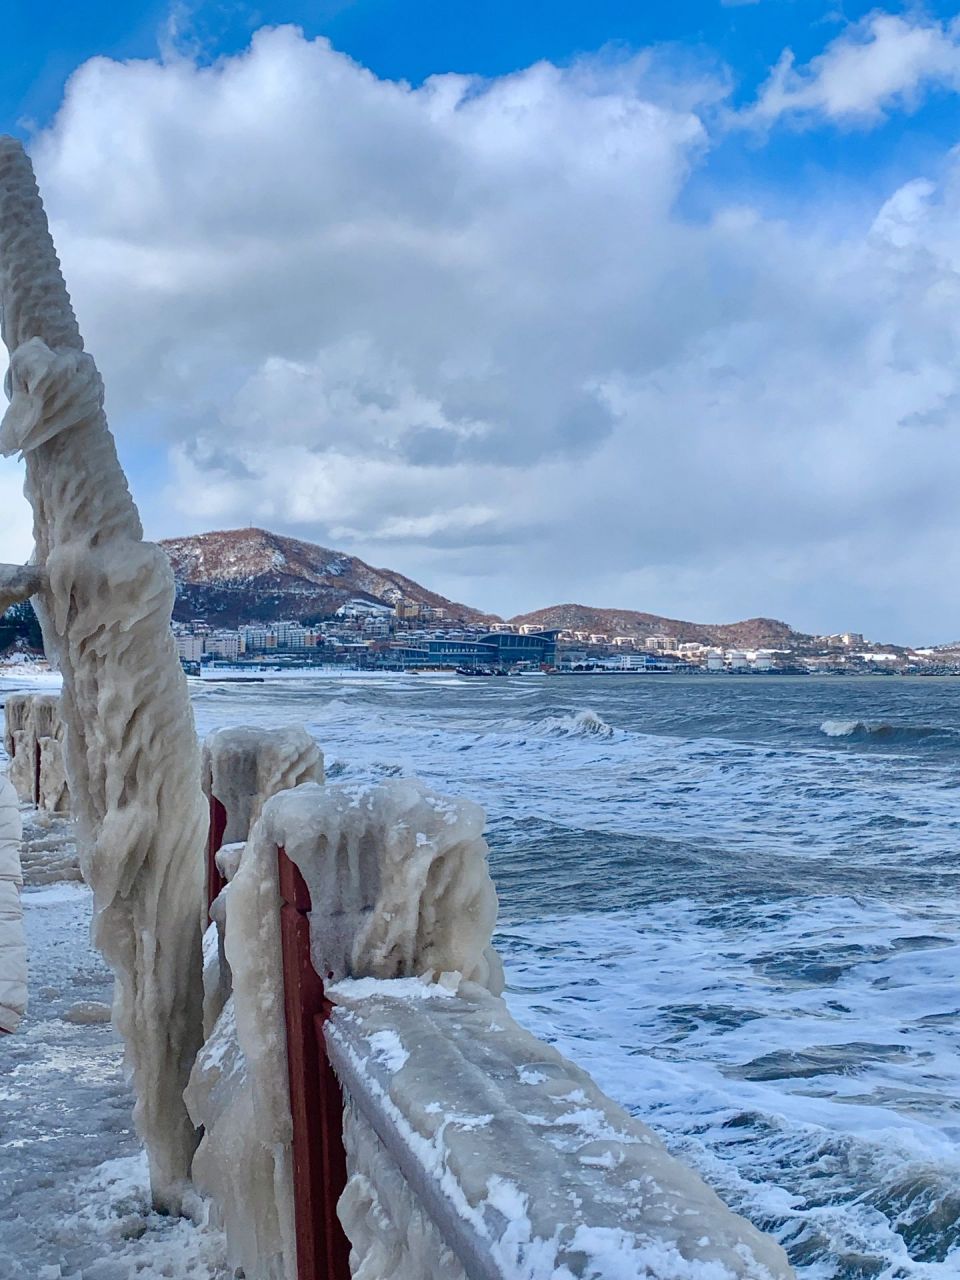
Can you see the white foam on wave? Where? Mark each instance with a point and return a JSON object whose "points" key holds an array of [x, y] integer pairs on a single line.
{"points": [[841, 728], [575, 769], [881, 729], [717, 1057], [578, 724]]}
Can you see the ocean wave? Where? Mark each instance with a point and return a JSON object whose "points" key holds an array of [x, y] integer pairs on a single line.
{"points": [[581, 724], [878, 730]]}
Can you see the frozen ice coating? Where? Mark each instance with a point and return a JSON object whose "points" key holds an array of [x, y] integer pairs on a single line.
{"points": [[32, 724], [104, 604], [243, 767], [216, 970], [238, 1088], [403, 877], [19, 745], [18, 582], [247, 1176], [54, 794], [387, 866], [390, 1233], [16, 712], [533, 1170]]}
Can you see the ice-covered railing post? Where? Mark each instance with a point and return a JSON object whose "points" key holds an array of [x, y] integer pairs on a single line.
{"points": [[316, 1102], [104, 598], [33, 739], [242, 767]]}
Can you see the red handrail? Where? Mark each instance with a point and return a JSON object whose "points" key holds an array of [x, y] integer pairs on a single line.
{"points": [[218, 825], [316, 1102]]}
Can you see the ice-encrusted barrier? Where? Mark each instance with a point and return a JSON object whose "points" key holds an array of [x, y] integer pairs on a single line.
{"points": [[33, 740], [476, 1150], [446, 1141]]}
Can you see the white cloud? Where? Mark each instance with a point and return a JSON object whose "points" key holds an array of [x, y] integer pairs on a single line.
{"points": [[463, 331], [884, 61]]}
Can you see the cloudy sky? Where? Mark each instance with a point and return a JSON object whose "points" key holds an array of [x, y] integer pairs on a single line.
{"points": [[638, 305]]}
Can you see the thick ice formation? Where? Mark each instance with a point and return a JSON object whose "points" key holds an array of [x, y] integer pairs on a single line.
{"points": [[105, 605], [400, 882], [403, 877], [238, 1090], [243, 767], [18, 582], [19, 746], [217, 981], [526, 1165], [32, 722]]}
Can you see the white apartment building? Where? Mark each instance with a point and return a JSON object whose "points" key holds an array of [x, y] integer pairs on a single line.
{"points": [[189, 648], [224, 644]]}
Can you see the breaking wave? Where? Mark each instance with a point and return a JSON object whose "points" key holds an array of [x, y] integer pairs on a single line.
{"points": [[864, 729], [582, 724]]}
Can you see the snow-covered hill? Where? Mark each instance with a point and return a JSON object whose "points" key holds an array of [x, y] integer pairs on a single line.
{"points": [[245, 574]]}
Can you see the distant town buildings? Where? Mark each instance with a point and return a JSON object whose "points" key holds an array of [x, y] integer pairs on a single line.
{"points": [[407, 635]]}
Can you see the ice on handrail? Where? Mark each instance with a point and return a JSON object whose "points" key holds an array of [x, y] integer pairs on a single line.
{"points": [[463, 1127], [401, 883]]}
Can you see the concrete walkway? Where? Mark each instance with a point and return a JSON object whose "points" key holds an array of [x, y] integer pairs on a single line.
{"points": [[73, 1177]]}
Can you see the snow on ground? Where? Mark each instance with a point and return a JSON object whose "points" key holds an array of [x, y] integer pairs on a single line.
{"points": [[17, 670], [74, 1202]]}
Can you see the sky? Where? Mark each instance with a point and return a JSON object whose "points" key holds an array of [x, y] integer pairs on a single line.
{"points": [[625, 304]]}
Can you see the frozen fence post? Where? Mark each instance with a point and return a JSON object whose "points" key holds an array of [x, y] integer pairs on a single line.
{"points": [[316, 1103], [33, 739], [104, 599], [242, 767]]}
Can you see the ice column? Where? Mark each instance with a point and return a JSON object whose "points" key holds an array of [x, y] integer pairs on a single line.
{"points": [[104, 601]]}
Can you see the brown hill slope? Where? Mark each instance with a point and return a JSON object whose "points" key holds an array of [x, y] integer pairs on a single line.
{"points": [[239, 575], [753, 633]]}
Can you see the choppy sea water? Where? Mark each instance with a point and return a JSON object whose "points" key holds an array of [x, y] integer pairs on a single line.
{"points": [[733, 900]]}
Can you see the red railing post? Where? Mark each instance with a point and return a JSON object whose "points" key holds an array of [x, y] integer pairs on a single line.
{"points": [[316, 1103], [218, 825]]}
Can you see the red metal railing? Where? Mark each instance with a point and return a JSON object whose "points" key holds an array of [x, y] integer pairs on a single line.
{"points": [[316, 1102], [218, 825]]}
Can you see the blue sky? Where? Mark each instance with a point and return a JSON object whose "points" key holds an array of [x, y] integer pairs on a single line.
{"points": [[414, 39], [627, 303]]}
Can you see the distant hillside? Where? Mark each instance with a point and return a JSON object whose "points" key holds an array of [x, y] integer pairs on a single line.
{"points": [[751, 634], [242, 575]]}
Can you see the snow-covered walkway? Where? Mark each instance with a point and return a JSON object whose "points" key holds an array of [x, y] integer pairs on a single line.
{"points": [[73, 1179]]}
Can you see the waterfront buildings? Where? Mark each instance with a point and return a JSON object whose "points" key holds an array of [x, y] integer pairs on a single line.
{"points": [[410, 636]]}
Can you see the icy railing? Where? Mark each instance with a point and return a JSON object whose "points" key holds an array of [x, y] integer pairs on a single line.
{"points": [[240, 769], [357, 931], [33, 740], [476, 1150]]}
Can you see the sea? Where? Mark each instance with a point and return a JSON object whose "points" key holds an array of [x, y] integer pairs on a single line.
{"points": [[734, 900]]}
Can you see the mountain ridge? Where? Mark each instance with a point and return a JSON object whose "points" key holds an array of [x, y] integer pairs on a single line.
{"points": [[246, 575], [229, 576], [750, 633]]}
